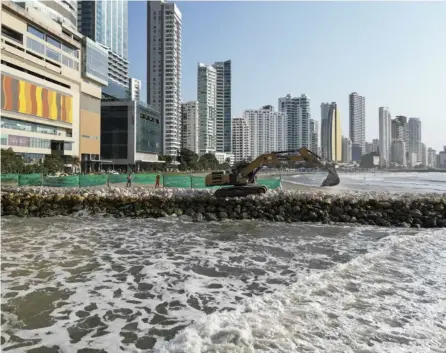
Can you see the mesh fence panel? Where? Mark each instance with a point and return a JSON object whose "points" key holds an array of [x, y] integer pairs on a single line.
{"points": [[117, 178], [30, 179], [270, 183], [64, 181], [177, 181], [10, 177], [92, 180], [147, 178]]}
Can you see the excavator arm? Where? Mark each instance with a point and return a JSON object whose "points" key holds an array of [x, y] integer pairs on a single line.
{"points": [[242, 179], [301, 154]]}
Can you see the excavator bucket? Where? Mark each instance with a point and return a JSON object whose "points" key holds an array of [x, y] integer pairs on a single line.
{"points": [[332, 178]]}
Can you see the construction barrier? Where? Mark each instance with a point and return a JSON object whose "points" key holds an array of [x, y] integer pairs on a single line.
{"points": [[10, 177], [168, 180], [30, 179], [93, 180], [117, 178], [146, 178], [69, 181], [177, 181], [270, 183]]}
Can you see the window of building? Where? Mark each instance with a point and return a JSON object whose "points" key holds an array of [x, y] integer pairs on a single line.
{"points": [[36, 32], [52, 54], [24, 141], [35, 45], [7, 123], [53, 41], [11, 34]]}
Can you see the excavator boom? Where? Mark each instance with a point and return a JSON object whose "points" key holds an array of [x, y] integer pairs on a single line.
{"points": [[242, 180]]}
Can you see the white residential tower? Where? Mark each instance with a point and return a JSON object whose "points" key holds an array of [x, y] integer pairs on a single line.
{"points": [[415, 138], [164, 70], [298, 120], [268, 128], [241, 139], [207, 108], [190, 123], [385, 127], [357, 120]]}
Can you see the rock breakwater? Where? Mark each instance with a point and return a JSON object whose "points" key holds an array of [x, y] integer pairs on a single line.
{"points": [[426, 211]]}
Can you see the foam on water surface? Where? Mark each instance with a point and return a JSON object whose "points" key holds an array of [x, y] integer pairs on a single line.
{"points": [[389, 300], [131, 284]]}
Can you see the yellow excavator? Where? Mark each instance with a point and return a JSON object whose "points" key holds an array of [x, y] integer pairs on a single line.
{"points": [[242, 179]]}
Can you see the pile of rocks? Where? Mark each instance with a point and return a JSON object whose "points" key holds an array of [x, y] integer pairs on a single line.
{"points": [[428, 210]]}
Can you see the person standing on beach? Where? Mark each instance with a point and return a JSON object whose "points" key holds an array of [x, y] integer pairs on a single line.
{"points": [[157, 181], [129, 180]]}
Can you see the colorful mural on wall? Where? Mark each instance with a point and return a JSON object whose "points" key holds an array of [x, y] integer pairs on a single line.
{"points": [[26, 98]]}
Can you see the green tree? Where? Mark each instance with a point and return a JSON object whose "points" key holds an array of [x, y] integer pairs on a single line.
{"points": [[53, 164], [33, 168], [208, 161], [166, 158], [11, 162], [188, 159]]}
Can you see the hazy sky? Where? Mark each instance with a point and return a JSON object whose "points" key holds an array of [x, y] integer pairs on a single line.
{"points": [[394, 54]]}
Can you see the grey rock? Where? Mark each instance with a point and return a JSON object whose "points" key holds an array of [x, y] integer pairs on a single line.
{"points": [[403, 225], [222, 215], [416, 213], [210, 217], [185, 218], [197, 217]]}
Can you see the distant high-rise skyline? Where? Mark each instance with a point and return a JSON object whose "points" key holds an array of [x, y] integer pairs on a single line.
{"points": [[314, 136], [346, 150], [398, 154], [385, 126], [164, 39], [190, 124], [207, 108], [298, 110], [241, 139], [423, 154], [400, 131], [106, 22], [331, 132], [267, 128], [224, 108], [415, 138], [357, 120]]}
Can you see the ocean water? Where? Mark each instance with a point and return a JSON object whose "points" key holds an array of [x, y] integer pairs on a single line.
{"points": [[92, 284], [379, 181]]}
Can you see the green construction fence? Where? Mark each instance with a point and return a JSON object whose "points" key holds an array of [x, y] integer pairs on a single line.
{"points": [[167, 180], [10, 178]]}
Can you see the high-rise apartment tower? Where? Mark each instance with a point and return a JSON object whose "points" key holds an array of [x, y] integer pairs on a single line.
{"points": [[357, 120], [106, 22], [164, 70]]}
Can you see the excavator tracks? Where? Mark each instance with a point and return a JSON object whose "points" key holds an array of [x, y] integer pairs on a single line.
{"points": [[241, 191]]}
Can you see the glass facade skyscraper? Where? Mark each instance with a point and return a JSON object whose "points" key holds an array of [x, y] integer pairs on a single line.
{"points": [[106, 22]]}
